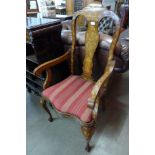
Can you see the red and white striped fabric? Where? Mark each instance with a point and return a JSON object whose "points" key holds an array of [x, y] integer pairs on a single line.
{"points": [[71, 96]]}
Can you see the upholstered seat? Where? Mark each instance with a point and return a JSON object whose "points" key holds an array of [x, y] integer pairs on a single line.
{"points": [[70, 96]]}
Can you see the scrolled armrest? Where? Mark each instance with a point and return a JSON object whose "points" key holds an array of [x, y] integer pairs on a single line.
{"points": [[37, 71], [102, 82]]}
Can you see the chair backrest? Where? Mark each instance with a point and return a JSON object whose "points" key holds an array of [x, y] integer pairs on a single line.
{"points": [[93, 13]]}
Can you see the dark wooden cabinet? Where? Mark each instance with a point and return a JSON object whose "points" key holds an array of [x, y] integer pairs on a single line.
{"points": [[43, 43], [61, 17]]}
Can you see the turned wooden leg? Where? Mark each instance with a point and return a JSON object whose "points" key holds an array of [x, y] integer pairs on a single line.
{"points": [[44, 105], [88, 133]]}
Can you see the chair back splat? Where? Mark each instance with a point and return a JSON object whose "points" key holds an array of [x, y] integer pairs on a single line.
{"points": [[92, 39], [93, 14]]}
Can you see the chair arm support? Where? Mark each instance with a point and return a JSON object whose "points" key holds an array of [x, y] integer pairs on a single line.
{"points": [[101, 83], [37, 71]]}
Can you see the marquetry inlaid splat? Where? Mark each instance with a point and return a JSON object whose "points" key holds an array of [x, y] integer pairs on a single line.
{"points": [[92, 39]]}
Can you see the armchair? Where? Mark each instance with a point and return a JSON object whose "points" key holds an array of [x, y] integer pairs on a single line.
{"points": [[78, 96]]}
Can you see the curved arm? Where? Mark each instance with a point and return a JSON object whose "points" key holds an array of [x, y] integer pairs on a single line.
{"points": [[37, 71], [108, 70], [101, 83], [46, 67], [48, 79]]}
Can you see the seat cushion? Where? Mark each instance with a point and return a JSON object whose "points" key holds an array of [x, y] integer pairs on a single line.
{"points": [[71, 96]]}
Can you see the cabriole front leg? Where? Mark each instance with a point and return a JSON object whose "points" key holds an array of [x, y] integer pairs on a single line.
{"points": [[88, 132], [44, 105]]}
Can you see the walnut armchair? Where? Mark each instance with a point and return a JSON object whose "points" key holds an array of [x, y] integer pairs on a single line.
{"points": [[78, 96]]}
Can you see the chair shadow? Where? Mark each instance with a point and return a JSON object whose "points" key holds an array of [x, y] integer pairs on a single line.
{"points": [[111, 121]]}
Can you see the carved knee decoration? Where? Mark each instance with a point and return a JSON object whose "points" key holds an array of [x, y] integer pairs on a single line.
{"points": [[88, 133]]}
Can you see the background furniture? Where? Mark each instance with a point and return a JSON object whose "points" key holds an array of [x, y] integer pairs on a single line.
{"points": [[43, 43], [32, 8], [69, 7], [123, 51], [61, 10], [51, 10], [86, 2], [78, 5], [101, 52], [124, 14], [61, 17]]}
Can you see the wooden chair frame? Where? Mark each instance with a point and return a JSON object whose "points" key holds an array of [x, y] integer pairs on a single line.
{"points": [[92, 39]]}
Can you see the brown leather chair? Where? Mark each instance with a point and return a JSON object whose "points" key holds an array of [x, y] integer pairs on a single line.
{"points": [[102, 49], [124, 14]]}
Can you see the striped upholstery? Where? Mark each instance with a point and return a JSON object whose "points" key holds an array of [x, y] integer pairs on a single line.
{"points": [[70, 96]]}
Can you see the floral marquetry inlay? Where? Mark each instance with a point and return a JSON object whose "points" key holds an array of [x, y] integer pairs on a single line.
{"points": [[92, 39]]}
